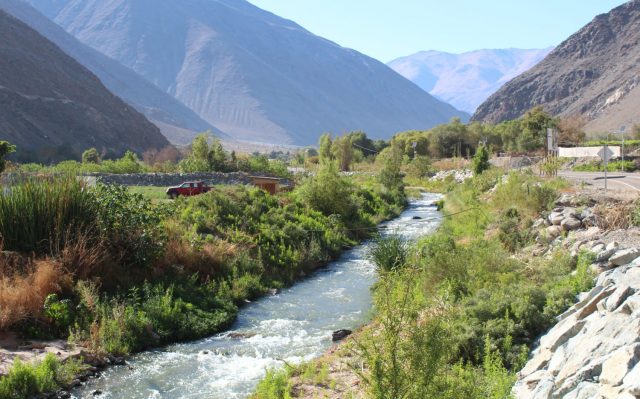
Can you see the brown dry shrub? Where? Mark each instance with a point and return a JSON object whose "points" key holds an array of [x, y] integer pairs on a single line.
{"points": [[83, 257], [209, 260], [451, 164], [614, 216], [22, 296]]}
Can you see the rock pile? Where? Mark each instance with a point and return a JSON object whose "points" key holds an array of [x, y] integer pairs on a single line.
{"points": [[594, 350], [458, 175]]}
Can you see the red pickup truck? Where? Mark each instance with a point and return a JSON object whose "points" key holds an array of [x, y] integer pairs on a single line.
{"points": [[188, 189]]}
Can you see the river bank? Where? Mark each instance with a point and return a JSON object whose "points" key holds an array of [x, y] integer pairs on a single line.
{"points": [[292, 326], [154, 274], [521, 254]]}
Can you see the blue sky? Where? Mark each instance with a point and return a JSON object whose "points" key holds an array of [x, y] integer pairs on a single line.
{"points": [[387, 29]]}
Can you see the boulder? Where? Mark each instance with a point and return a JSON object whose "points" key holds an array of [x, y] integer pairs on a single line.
{"points": [[554, 231], [618, 297], [604, 256], [556, 218], [622, 257], [619, 364], [631, 381], [340, 334], [561, 333]]}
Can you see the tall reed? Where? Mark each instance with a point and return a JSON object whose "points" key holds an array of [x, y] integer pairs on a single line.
{"points": [[37, 213]]}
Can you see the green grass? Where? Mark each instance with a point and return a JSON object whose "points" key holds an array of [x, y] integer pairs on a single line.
{"points": [[25, 380], [37, 215], [615, 166], [150, 192]]}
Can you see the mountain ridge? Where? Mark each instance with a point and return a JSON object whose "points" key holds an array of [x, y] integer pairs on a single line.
{"points": [[466, 79], [252, 74], [592, 74], [164, 110], [53, 108]]}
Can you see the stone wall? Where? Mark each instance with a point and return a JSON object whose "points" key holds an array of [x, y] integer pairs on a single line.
{"points": [[594, 349]]}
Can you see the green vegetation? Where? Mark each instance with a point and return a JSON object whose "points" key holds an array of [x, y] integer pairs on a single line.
{"points": [[615, 166], [24, 380], [5, 149], [456, 314], [119, 273], [149, 192]]}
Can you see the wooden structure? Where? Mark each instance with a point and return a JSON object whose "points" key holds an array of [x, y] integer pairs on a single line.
{"points": [[268, 184]]}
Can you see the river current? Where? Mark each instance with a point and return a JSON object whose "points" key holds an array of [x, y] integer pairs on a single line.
{"points": [[293, 326]]}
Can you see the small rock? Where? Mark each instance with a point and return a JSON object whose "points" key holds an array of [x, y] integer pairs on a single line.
{"points": [[205, 352], [604, 256], [571, 223], [340, 334], [273, 291], [624, 256], [97, 392], [596, 249], [416, 218], [554, 231], [556, 219], [538, 224], [612, 245]]}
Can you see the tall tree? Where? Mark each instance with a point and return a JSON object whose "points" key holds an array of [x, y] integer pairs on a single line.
{"points": [[325, 147], [342, 150], [91, 156]]}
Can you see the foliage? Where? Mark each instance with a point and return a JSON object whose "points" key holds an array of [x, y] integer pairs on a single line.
{"points": [[388, 253], [24, 380], [36, 214], [275, 385], [91, 156], [325, 144], [615, 166], [480, 161], [129, 225], [5, 149], [342, 150]]}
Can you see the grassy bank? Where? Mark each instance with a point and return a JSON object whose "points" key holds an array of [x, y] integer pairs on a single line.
{"points": [[457, 313], [118, 273]]}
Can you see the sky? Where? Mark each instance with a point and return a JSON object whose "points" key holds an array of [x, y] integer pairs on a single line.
{"points": [[386, 29]]}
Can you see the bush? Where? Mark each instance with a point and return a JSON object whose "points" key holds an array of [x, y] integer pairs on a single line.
{"points": [[24, 380], [388, 253], [36, 215]]}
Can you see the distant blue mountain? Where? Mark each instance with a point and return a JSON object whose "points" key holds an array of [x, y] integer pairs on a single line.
{"points": [[466, 80], [252, 74]]}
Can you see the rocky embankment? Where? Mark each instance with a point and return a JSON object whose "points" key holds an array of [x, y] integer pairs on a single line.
{"points": [[594, 349]]}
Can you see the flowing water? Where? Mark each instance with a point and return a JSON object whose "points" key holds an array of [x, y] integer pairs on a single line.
{"points": [[293, 326]]}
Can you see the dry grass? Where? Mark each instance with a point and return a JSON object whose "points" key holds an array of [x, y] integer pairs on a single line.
{"points": [[82, 256], [22, 295], [614, 216], [209, 260], [451, 164]]}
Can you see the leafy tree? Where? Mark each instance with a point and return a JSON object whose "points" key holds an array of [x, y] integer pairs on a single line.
{"points": [[325, 147], [390, 176], [571, 130], [5, 149], [342, 150], [329, 193], [91, 156], [205, 156], [480, 161]]}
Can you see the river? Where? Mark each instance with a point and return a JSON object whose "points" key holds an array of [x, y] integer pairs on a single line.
{"points": [[293, 326]]}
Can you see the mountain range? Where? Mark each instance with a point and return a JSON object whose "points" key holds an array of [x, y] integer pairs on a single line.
{"points": [[466, 80], [53, 108], [249, 73], [594, 74]]}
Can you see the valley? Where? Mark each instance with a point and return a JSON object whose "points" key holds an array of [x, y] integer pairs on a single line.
{"points": [[204, 198]]}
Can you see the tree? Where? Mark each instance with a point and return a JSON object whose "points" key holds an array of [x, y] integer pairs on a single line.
{"points": [[325, 147], [534, 125], [91, 156], [342, 150], [571, 130], [390, 176], [330, 193], [480, 161], [5, 149]]}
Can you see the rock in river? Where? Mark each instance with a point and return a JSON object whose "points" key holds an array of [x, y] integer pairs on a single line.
{"points": [[340, 334]]}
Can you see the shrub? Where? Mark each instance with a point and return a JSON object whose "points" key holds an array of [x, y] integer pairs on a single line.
{"points": [[388, 253], [36, 215], [24, 380], [480, 161]]}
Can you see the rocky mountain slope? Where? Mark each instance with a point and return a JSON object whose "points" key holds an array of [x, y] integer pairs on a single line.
{"points": [[250, 73], [466, 80], [594, 73], [177, 122], [52, 108]]}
